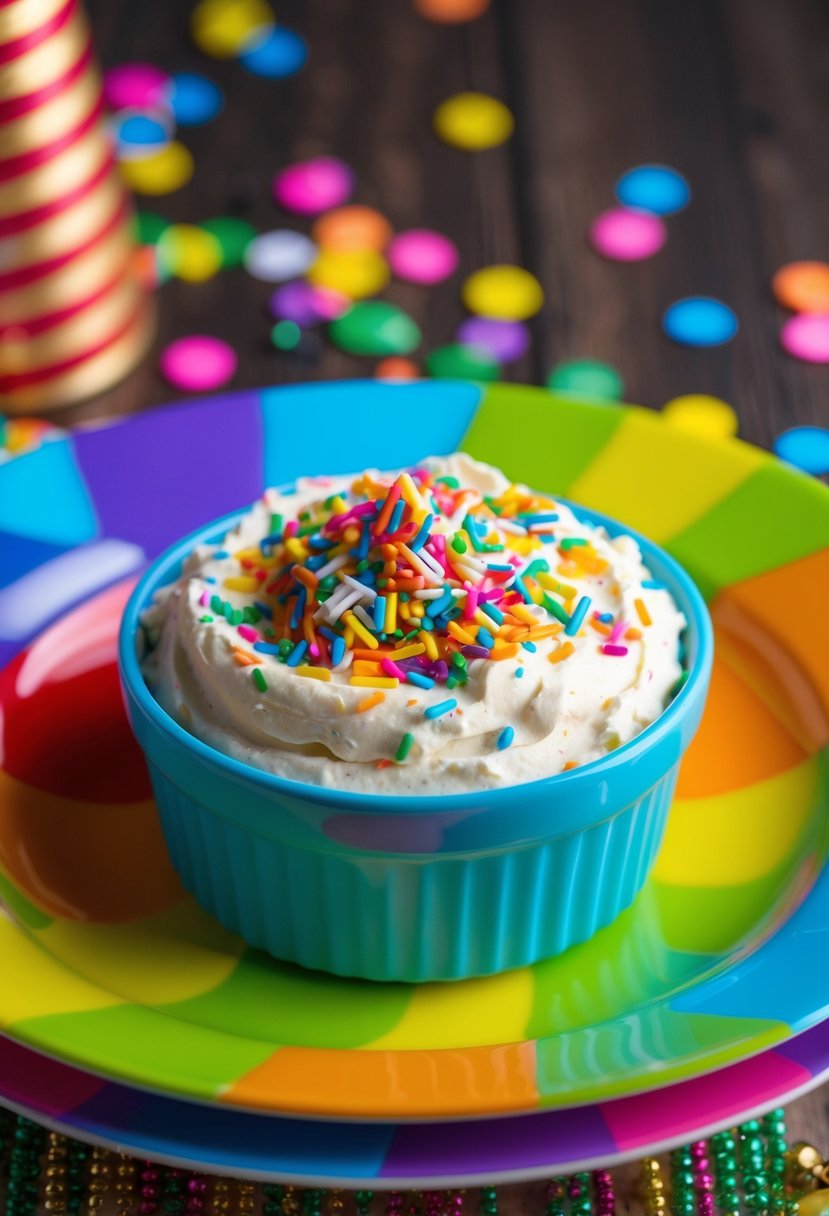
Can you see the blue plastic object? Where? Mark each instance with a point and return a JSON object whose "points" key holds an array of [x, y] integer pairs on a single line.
{"points": [[281, 53], [473, 884], [700, 321], [655, 188], [195, 99]]}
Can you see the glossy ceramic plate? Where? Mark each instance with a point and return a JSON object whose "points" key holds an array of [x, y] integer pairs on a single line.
{"points": [[108, 966], [394, 1156]]}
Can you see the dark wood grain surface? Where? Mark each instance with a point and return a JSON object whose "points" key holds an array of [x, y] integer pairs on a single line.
{"points": [[733, 93]]}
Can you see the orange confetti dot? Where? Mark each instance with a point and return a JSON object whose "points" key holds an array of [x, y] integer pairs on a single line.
{"points": [[348, 229], [451, 12], [802, 286], [396, 368]]}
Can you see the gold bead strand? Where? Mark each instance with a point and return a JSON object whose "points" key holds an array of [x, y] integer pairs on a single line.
{"points": [[245, 1198], [54, 1190], [652, 1186], [126, 1192], [219, 1204], [99, 1176]]}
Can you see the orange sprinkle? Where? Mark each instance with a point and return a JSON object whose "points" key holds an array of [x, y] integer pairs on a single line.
{"points": [[384, 764], [244, 658], [381, 522], [413, 701], [544, 631], [388, 552], [461, 634], [563, 652], [642, 612], [305, 576], [373, 656], [570, 764], [599, 626], [506, 651], [632, 634], [363, 667], [376, 698]]}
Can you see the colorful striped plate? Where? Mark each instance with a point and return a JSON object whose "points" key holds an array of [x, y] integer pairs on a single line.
{"points": [[109, 967]]}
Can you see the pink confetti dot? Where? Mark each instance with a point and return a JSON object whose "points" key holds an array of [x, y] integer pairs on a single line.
{"points": [[627, 236], [422, 256], [197, 363], [140, 86], [807, 337], [313, 186]]}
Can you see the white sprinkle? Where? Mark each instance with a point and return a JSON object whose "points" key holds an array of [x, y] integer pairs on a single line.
{"points": [[363, 617], [367, 593], [509, 525], [330, 567]]}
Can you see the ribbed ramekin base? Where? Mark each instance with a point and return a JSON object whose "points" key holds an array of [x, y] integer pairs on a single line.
{"points": [[413, 917]]}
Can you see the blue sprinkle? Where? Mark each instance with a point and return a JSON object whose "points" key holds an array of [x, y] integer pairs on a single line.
{"points": [[653, 584], [295, 657], [485, 638], [396, 516], [427, 623], [328, 633], [315, 563], [437, 607], [422, 534], [443, 707], [319, 542], [379, 611], [499, 566], [210, 579], [519, 671], [274, 539], [605, 617], [266, 648], [220, 554], [579, 613], [365, 543], [265, 609], [505, 738], [337, 650], [522, 590], [531, 646], [299, 607], [414, 677], [542, 517], [547, 538], [493, 613]]}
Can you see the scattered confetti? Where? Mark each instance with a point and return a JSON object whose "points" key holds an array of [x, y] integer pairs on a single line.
{"points": [[375, 327], [195, 100], [352, 228], [305, 304], [473, 121], [700, 321], [802, 286], [807, 337], [197, 363], [189, 252], [507, 293], [286, 335], [396, 368], [451, 12], [136, 86], [279, 255], [138, 134], [806, 447], [149, 227], [357, 274], [234, 236], [161, 173], [656, 188], [422, 256], [506, 341], [313, 186], [588, 378], [625, 235], [458, 362], [280, 53], [702, 415], [225, 28]]}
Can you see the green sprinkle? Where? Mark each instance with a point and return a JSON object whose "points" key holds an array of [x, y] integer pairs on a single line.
{"points": [[458, 660], [216, 604], [680, 683], [286, 646], [227, 612], [361, 566], [404, 748], [205, 620], [259, 680], [270, 633], [555, 609], [451, 681], [277, 524], [572, 542], [458, 543], [329, 583], [237, 617], [451, 482], [251, 615]]}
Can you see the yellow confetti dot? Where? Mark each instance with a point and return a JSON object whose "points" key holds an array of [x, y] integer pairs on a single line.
{"points": [[161, 173], [702, 415], [473, 121], [507, 293], [355, 273], [189, 252], [224, 28]]}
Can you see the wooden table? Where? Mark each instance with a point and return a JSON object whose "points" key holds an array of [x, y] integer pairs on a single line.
{"points": [[732, 93]]}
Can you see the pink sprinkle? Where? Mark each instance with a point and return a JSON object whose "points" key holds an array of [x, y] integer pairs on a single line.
{"points": [[249, 634], [471, 605], [314, 650], [617, 631], [616, 651], [391, 669], [291, 528], [205, 599]]}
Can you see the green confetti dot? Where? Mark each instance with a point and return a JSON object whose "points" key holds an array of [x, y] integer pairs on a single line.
{"points": [[233, 235], [286, 335], [587, 378], [457, 362]]}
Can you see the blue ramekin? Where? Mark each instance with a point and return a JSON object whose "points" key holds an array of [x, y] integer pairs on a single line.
{"points": [[415, 889]]}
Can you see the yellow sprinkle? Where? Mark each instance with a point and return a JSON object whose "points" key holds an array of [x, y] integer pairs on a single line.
{"points": [[391, 613], [348, 637], [241, 583], [461, 634], [410, 494], [338, 505], [430, 644], [376, 698], [296, 549], [360, 630], [544, 631], [313, 673], [408, 652], [563, 652], [417, 610], [374, 681], [523, 613], [642, 612], [552, 584]]}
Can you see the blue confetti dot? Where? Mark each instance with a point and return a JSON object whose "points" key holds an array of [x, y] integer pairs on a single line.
{"points": [[140, 131], [655, 188], [700, 321], [281, 53], [806, 447], [195, 99]]}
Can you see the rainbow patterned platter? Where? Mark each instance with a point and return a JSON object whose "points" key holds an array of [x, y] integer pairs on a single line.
{"points": [[313, 1152], [108, 966]]}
